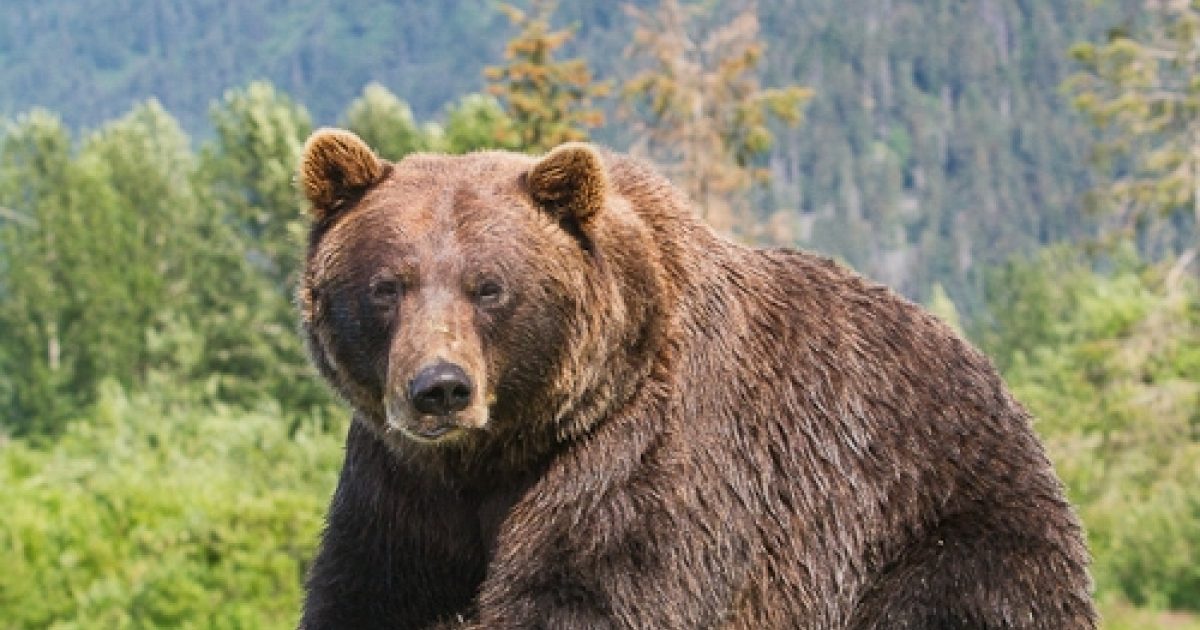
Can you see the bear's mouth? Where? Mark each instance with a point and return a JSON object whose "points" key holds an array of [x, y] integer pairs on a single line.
{"points": [[440, 403], [423, 428], [432, 431], [401, 420]]}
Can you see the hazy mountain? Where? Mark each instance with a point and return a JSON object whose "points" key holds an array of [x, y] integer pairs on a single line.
{"points": [[938, 138]]}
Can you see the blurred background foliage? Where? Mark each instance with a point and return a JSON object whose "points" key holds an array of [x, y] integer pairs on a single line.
{"points": [[1026, 169]]}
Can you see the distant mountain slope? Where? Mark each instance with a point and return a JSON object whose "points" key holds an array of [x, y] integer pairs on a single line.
{"points": [[937, 139], [90, 59]]}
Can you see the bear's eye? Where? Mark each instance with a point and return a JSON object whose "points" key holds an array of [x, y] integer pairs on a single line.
{"points": [[488, 292], [386, 291]]}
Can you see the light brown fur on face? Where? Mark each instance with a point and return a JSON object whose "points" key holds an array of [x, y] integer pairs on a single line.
{"points": [[666, 429]]}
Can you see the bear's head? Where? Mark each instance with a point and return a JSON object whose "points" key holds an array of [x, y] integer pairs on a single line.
{"points": [[492, 298]]}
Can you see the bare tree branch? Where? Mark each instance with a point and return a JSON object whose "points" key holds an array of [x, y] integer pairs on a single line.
{"points": [[13, 215]]}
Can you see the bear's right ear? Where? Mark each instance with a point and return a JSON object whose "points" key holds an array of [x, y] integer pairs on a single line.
{"points": [[336, 167]]}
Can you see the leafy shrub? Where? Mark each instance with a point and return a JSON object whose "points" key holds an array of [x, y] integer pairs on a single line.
{"points": [[1109, 364], [152, 513]]}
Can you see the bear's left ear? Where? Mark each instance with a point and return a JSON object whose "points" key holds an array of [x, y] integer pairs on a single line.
{"points": [[336, 167], [569, 182]]}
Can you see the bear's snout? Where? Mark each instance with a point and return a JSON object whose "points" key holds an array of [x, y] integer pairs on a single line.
{"points": [[439, 403], [440, 390]]}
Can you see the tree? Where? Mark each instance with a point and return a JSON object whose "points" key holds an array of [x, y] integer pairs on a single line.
{"points": [[698, 106], [1143, 92], [477, 121], [249, 166], [247, 176], [386, 123], [100, 268], [36, 183], [1107, 364], [549, 101], [145, 235]]}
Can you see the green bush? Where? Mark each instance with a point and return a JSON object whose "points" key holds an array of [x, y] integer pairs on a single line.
{"points": [[1117, 614], [1109, 364], [153, 513]]}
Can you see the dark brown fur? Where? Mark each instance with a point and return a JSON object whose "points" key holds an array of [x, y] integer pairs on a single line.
{"points": [[669, 430]]}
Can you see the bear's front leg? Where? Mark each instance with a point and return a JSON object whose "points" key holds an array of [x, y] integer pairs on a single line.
{"points": [[613, 537]]}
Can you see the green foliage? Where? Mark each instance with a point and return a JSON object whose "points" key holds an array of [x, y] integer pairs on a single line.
{"points": [[131, 256], [476, 122], [154, 511], [473, 123], [937, 142], [386, 124], [941, 305], [134, 257], [161, 441], [128, 264], [38, 182], [1114, 365], [1110, 366], [90, 278], [249, 167], [246, 181]]}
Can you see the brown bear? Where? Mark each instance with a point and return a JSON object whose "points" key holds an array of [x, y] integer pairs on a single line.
{"points": [[576, 406]]}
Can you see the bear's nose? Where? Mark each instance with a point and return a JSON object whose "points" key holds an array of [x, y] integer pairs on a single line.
{"points": [[440, 389]]}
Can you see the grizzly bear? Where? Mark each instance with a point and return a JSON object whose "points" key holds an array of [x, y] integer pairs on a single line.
{"points": [[576, 406]]}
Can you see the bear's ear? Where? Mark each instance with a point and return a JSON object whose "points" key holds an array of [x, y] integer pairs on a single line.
{"points": [[569, 182], [336, 167]]}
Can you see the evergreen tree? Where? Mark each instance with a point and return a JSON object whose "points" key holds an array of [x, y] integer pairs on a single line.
{"points": [[1142, 89], [549, 101], [699, 109]]}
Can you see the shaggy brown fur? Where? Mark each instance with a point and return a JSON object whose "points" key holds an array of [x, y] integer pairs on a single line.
{"points": [[661, 429]]}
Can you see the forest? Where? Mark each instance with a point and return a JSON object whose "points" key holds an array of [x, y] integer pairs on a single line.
{"points": [[1028, 170]]}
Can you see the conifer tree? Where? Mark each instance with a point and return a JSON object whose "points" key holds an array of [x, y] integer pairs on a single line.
{"points": [[1141, 88], [698, 108], [550, 101]]}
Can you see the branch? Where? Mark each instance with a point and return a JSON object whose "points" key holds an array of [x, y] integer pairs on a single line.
{"points": [[16, 216], [1177, 269]]}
